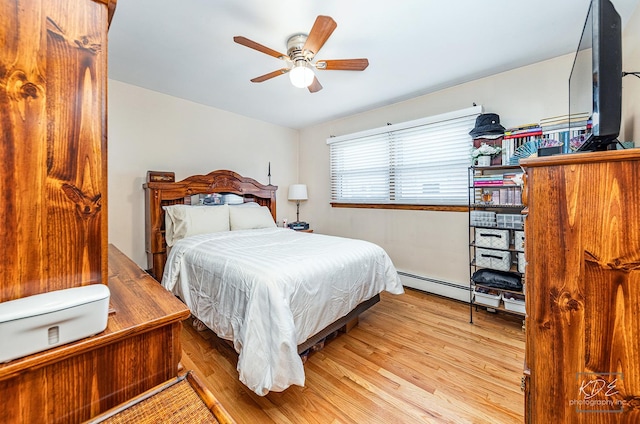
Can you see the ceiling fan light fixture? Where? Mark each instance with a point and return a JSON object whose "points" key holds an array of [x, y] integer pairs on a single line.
{"points": [[301, 51], [301, 74]]}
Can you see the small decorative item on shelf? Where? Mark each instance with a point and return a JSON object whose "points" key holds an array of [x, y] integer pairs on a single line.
{"points": [[483, 154], [549, 147], [488, 131], [528, 149], [576, 142], [487, 196]]}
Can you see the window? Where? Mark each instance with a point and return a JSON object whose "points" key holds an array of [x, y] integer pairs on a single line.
{"points": [[422, 162]]}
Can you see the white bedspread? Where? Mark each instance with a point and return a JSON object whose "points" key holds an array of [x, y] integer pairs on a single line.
{"points": [[269, 290]]}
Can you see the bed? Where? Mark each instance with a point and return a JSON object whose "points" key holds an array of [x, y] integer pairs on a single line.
{"points": [[272, 292]]}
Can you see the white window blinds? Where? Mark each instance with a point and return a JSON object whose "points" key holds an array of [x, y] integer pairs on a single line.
{"points": [[420, 162]]}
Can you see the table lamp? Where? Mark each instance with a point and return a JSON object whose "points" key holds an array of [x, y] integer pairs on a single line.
{"points": [[298, 192]]}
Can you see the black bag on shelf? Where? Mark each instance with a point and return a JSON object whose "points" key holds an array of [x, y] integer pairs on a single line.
{"points": [[497, 279]]}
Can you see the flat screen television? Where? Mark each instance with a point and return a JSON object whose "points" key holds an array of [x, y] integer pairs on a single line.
{"points": [[595, 82]]}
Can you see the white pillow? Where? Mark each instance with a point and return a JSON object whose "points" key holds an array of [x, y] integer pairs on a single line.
{"points": [[245, 205], [183, 221], [250, 218]]}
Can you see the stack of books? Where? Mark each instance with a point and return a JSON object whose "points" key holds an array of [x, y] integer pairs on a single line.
{"points": [[516, 137], [488, 180], [555, 130]]}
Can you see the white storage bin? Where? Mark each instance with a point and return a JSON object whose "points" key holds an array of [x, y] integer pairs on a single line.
{"points": [[510, 220], [483, 218], [521, 262], [513, 302], [496, 239], [42, 321], [518, 240], [487, 299], [494, 259]]}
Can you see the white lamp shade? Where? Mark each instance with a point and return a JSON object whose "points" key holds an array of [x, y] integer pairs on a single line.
{"points": [[301, 75], [298, 192]]}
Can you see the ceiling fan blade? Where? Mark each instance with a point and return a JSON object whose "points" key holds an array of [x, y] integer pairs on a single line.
{"points": [[257, 46], [270, 75], [343, 65], [320, 32], [315, 86]]}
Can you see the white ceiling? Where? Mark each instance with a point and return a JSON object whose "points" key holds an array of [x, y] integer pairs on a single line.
{"points": [[185, 48]]}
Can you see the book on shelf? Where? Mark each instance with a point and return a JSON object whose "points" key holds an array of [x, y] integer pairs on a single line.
{"points": [[565, 119], [524, 127], [488, 177], [523, 133], [487, 183], [565, 126]]}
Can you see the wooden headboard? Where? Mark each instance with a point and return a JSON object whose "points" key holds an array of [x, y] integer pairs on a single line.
{"points": [[161, 189]]}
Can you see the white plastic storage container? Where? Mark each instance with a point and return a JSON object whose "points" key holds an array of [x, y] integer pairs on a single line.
{"points": [[513, 302], [494, 259], [521, 262], [487, 299], [518, 240], [483, 218], [493, 238], [510, 220], [36, 323]]}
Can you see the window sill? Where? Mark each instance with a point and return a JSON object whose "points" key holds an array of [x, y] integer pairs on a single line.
{"points": [[444, 208]]}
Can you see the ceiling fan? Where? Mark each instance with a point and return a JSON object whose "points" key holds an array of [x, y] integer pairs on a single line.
{"points": [[301, 50]]}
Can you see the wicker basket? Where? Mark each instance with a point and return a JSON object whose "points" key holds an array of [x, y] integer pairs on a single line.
{"points": [[181, 400]]}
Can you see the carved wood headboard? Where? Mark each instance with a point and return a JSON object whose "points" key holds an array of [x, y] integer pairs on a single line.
{"points": [[161, 190]]}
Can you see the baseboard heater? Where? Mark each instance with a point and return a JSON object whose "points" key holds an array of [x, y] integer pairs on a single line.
{"points": [[435, 286]]}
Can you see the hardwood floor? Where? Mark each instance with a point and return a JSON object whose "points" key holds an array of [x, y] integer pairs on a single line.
{"points": [[413, 358]]}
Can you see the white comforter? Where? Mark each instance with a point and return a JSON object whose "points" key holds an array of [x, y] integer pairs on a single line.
{"points": [[269, 290]]}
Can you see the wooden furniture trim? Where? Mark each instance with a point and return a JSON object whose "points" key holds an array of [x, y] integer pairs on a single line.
{"points": [[159, 194], [209, 399], [579, 158], [161, 308], [111, 9], [443, 208]]}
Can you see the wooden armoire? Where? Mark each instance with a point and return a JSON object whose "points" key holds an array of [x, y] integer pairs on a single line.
{"points": [[582, 277], [53, 144], [53, 213]]}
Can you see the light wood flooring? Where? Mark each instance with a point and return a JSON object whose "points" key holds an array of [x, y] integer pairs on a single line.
{"points": [[413, 358]]}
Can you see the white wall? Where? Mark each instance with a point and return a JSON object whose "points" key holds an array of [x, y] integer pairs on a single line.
{"points": [[153, 131], [435, 244]]}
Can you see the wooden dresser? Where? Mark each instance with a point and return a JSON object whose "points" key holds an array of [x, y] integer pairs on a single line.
{"points": [[140, 349], [583, 288]]}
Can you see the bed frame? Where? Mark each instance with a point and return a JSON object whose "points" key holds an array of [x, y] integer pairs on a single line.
{"points": [[161, 189]]}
